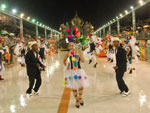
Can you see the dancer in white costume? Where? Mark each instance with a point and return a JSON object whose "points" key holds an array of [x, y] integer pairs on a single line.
{"points": [[2, 68], [94, 47], [132, 52], [23, 53], [127, 46], [110, 53], [135, 48], [43, 53], [17, 49], [75, 76]]}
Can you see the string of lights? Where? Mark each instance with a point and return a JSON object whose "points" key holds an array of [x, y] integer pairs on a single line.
{"points": [[15, 14], [122, 15]]}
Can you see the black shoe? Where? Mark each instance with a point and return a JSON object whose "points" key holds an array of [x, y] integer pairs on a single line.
{"points": [[82, 104], [1, 78], [77, 106], [111, 61], [90, 61], [22, 65], [95, 65], [130, 71]]}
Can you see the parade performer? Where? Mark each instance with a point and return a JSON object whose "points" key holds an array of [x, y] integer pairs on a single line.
{"points": [[145, 48], [137, 51], [94, 46], [135, 48], [75, 76], [53, 49], [7, 56], [110, 53], [142, 52], [23, 53], [126, 44], [33, 69], [129, 57], [2, 68], [121, 66], [92, 52], [17, 49], [42, 53], [148, 51], [11, 51]]}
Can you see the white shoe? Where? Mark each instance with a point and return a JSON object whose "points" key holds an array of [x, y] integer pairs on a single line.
{"points": [[124, 94], [36, 93], [29, 95]]}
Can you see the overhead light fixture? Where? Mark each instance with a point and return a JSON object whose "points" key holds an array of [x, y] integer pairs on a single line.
{"points": [[28, 18], [14, 11], [3, 6], [121, 15], [33, 20], [21, 15], [132, 7], [141, 2], [40, 24]]}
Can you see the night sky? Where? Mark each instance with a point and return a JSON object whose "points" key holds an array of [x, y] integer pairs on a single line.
{"points": [[56, 12]]}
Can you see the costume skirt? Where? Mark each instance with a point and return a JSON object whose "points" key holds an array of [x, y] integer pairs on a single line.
{"points": [[76, 79]]}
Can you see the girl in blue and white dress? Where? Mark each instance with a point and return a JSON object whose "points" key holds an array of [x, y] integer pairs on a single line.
{"points": [[75, 76]]}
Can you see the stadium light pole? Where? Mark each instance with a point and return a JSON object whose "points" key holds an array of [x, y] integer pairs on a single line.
{"points": [[100, 32], [104, 31], [21, 25], [133, 19], [45, 33], [55, 34], [37, 31], [109, 28], [118, 25], [51, 33]]}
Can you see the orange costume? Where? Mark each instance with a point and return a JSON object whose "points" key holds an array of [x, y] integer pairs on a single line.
{"points": [[102, 53], [53, 49]]}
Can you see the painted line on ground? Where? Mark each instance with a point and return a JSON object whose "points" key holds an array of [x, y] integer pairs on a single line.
{"points": [[65, 100]]}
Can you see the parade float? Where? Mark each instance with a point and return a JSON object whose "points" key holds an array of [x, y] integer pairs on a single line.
{"points": [[77, 28]]}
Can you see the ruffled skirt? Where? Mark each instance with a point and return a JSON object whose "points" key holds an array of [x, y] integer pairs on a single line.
{"points": [[76, 79]]}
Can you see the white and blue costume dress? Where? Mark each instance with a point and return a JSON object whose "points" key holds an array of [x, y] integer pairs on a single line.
{"points": [[75, 76]]}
